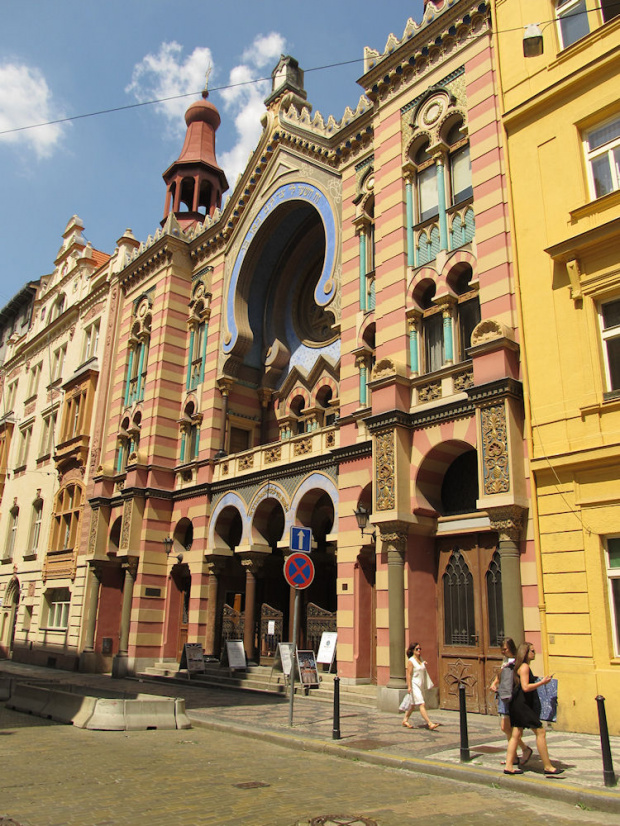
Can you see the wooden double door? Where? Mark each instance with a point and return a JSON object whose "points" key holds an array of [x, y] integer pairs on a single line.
{"points": [[470, 621]]}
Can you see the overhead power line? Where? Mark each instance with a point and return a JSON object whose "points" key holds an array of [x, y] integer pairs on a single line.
{"points": [[233, 85]]}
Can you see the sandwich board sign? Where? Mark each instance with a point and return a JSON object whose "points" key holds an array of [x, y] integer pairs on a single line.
{"points": [[236, 654], [327, 647], [193, 658], [308, 673]]}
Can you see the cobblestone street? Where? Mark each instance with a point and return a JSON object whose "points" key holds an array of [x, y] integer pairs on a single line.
{"points": [[55, 775]]}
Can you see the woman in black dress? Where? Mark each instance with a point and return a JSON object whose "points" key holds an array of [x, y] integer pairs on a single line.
{"points": [[525, 711]]}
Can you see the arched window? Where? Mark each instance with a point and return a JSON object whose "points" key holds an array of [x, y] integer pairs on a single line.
{"points": [[428, 195], [432, 328], [495, 602], [458, 591], [467, 308], [138, 353], [297, 408], [198, 325]]}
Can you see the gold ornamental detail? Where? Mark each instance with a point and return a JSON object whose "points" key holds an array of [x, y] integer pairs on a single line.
{"points": [[385, 484], [495, 450]]}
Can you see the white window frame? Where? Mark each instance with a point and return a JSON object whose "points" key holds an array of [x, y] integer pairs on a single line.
{"points": [[611, 149], [59, 362], [567, 8], [608, 334], [58, 609], [24, 445], [11, 539], [33, 382], [91, 340], [11, 393], [35, 528], [47, 434], [613, 575]]}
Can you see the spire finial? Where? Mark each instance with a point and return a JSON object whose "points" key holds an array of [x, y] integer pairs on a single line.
{"points": [[205, 91]]}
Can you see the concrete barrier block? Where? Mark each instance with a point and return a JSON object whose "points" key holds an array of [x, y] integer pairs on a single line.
{"points": [[108, 715], [85, 712], [6, 685], [63, 706], [157, 713], [28, 698], [182, 720]]}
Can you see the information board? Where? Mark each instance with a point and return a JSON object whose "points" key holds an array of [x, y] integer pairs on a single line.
{"points": [[327, 648], [236, 654], [306, 663], [193, 658], [286, 654]]}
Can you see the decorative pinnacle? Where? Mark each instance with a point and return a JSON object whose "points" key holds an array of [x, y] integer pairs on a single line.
{"points": [[205, 91]]}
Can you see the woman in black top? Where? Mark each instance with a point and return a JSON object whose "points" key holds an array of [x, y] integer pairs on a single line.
{"points": [[525, 711]]}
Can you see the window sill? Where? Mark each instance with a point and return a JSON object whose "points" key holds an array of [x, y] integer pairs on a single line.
{"points": [[54, 630], [609, 403], [29, 556], [19, 471], [601, 204], [6, 560]]}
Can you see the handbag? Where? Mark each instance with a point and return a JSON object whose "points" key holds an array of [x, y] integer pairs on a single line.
{"points": [[406, 703], [548, 696]]}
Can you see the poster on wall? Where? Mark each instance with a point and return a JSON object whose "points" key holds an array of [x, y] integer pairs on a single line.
{"points": [[286, 654]]}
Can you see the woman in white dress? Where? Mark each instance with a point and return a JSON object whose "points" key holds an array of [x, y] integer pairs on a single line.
{"points": [[418, 683]]}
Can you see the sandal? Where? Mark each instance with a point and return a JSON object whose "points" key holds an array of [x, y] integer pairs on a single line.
{"points": [[527, 753], [433, 726], [514, 771], [407, 724], [553, 772]]}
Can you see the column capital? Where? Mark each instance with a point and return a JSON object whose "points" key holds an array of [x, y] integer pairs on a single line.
{"points": [[507, 521], [130, 564], [253, 562], [394, 535], [215, 566]]}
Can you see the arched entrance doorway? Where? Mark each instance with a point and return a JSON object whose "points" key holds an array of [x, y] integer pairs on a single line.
{"points": [[10, 605]]}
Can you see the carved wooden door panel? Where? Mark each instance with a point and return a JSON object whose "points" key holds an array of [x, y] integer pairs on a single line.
{"points": [[185, 586], [464, 635]]}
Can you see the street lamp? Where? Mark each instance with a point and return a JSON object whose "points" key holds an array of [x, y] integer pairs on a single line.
{"points": [[168, 543], [532, 41], [362, 514]]}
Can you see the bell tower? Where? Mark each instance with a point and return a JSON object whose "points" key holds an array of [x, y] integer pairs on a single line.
{"points": [[194, 182]]}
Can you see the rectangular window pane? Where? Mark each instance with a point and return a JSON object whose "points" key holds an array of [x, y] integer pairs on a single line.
{"points": [[601, 172], [611, 314], [469, 317], [573, 21], [433, 342], [604, 134], [613, 551], [615, 596], [611, 8], [613, 361], [427, 193], [461, 175]]}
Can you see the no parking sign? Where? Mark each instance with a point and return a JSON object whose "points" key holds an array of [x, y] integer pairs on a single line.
{"points": [[299, 571]]}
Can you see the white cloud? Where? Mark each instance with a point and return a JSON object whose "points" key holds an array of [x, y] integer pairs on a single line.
{"points": [[244, 103], [166, 75], [25, 99]]}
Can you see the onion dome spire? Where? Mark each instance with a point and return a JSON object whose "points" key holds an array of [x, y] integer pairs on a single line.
{"points": [[195, 182]]}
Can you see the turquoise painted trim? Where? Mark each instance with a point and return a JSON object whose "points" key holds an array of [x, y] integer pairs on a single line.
{"points": [[188, 380], [363, 388], [441, 200], [139, 388], [128, 379], [448, 344], [410, 246], [196, 443], [326, 286], [183, 440], [203, 355], [413, 350], [362, 271]]}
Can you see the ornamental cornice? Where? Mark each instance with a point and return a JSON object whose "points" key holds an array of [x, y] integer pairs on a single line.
{"points": [[442, 32], [149, 262], [490, 393]]}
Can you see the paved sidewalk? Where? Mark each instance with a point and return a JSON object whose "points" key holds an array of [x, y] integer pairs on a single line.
{"points": [[377, 737]]}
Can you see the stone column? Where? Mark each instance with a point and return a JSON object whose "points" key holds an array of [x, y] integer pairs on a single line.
{"points": [[395, 538], [87, 656], [215, 569], [252, 566], [507, 521], [120, 665]]}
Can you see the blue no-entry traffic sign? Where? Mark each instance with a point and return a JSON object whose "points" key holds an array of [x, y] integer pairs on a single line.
{"points": [[299, 571], [301, 540]]}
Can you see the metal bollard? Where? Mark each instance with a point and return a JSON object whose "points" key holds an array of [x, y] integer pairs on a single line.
{"points": [[463, 723], [608, 767], [336, 727]]}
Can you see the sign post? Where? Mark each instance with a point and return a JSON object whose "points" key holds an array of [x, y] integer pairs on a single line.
{"points": [[299, 573]]}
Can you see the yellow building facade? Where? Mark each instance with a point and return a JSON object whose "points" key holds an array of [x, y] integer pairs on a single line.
{"points": [[561, 114]]}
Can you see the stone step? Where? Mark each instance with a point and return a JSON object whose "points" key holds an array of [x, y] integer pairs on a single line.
{"points": [[263, 679]]}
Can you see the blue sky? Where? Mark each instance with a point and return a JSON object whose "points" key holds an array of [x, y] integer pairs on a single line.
{"points": [[61, 58]]}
